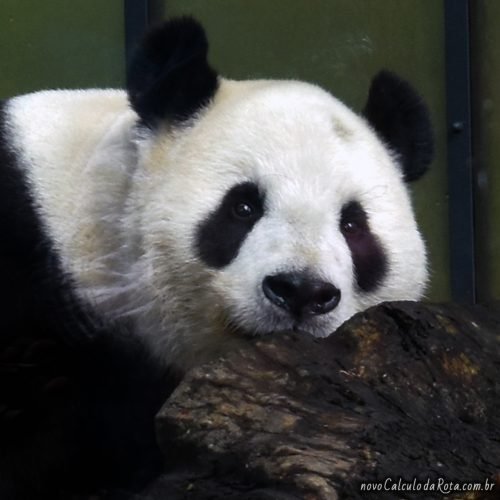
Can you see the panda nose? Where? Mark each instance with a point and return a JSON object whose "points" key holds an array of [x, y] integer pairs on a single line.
{"points": [[301, 294]]}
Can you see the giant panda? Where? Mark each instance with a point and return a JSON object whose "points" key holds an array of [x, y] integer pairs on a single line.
{"points": [[148, 230]]}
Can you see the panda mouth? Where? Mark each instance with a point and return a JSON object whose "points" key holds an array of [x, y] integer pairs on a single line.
{"points": [[280, 327], [270, 322], [301, 328], [306, 326], [297, 328]]}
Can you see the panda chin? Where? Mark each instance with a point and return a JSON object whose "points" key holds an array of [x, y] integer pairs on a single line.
{"points": [[316, 327], [300, 328]]}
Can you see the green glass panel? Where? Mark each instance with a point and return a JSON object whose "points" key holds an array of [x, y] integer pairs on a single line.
{"points": [[60, 44], [341, 44], [485, 50]]}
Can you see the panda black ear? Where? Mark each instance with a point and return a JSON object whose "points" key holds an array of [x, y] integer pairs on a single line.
{"points": [[169, 77], [401, 119]]}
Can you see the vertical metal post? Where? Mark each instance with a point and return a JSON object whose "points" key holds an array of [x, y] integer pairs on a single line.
{"points": [[137, 19], [460, 175]]}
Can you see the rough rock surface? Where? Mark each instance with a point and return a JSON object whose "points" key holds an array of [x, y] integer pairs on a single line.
{"points": [[404, 390]]}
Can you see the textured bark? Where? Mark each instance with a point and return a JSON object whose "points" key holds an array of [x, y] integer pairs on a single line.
{"points": [[403, 390]]}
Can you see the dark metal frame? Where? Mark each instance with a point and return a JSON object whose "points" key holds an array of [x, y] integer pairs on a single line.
{"points": [[140, 14], [460, 172], [137, 19]]}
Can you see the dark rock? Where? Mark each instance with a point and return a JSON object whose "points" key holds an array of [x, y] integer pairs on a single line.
{"points": [[403, 390]]}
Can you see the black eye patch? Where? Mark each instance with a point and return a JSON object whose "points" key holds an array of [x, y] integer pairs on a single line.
{"points": [[220, 236], [369, 259]]}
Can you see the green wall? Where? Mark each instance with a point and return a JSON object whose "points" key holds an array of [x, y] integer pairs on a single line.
{"points": [[60, 44], [340, 45], [485, 50]]}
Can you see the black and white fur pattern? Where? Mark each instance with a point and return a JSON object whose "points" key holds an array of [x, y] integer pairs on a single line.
{"points": [[192, 210]]}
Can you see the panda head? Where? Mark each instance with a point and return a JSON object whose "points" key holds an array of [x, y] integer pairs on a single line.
{"points": [[270, 205]]}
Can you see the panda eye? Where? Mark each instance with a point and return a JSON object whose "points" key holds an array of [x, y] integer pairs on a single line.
{"points": [[350, 227], [243, 210], [353, 220], [221, 234]]}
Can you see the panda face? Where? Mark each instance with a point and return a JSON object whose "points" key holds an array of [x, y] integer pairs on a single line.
{"points": [[200, 210], [276, 208]]}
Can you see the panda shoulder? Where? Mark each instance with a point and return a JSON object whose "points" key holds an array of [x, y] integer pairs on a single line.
{"points": [[32, 121]]}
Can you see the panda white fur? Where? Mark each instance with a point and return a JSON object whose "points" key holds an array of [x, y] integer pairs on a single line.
{"points": [[192, 210]]}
